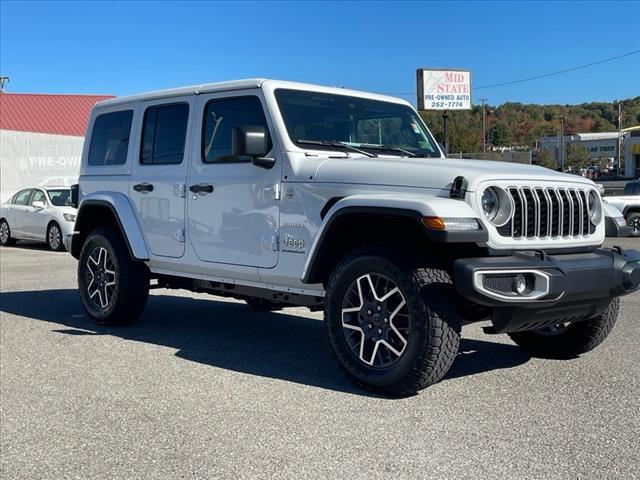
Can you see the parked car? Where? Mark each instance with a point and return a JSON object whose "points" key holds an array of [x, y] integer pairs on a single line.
{"points": [[615, 223], [38, 214], [282, 194], [629, 204]]}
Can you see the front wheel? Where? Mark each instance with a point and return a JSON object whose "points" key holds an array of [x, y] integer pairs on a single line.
{"points": [[54, 237], [393, 329], [569, 339], [113, 287]]}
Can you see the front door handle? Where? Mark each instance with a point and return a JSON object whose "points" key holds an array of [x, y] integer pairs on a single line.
{"points": [[201, 188], [143, 187]]}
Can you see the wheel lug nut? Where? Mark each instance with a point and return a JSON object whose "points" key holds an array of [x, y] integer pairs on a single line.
{"points": [[386, 320], [379, 308], [380, 331], [369, 312], [370, 326]]}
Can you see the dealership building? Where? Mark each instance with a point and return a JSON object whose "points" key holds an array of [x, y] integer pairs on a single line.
{"points": [[41, 138], [601, 145]]}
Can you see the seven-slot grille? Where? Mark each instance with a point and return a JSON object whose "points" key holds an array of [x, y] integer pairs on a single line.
{"points": [[548, 212]]}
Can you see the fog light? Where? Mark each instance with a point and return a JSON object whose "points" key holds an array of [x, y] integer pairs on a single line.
{"points": [[520, 284]]}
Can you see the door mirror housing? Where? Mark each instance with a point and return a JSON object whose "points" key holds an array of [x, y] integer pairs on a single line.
{"points": [[38, 205], [252, 141]]}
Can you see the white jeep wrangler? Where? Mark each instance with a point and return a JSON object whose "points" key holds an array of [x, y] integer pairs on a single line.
{"points": [[283, 194]]}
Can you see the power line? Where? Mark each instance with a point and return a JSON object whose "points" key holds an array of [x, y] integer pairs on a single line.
{"points": [[545, 75]]}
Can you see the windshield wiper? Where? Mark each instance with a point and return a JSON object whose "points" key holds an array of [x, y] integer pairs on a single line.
{"points": [[388, 148], [335, 143]]}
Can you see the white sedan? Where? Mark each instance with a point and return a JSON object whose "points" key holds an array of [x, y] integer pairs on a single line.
{"points": [[38, 214]]}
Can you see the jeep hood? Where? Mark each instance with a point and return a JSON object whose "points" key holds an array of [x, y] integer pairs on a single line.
{"points": [[436, 173]]}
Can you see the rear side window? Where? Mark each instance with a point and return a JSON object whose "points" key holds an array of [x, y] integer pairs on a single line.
{"points": [[164, 132], [22, 198], [110, 138], [220, 116]]}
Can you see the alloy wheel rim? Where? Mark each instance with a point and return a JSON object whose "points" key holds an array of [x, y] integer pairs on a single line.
{"points": [[375, 320], [54, 237], [101, 278], [4, 232]]}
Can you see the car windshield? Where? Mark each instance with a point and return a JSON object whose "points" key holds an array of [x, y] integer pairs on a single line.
{"points": [[330, 121], [59, 198]]}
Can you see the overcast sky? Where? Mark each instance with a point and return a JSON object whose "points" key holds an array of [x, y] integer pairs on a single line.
{"points": [[123, 48]]}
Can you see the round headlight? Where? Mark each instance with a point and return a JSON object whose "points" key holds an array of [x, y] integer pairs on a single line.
{"points": [[595, 207], [490, 203], [496, 206]]}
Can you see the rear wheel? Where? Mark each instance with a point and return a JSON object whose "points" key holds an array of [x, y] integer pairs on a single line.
{"points": [[393, 328], [113, 287], [569, 339], [54, 237], [633, 220], [5, 234]]}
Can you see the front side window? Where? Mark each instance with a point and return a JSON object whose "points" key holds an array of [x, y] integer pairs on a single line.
{"points": [[220, 117], [110, 138], [22, 198], [60, 198], [164, 133], [372, 125], [38, 196]]}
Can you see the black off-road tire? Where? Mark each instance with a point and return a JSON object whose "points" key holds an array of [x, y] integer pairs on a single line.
{"points": [[56, 244], [131, 288], [8, 240], [633, 220], [574, 340], [262, 304], [434, 329]]}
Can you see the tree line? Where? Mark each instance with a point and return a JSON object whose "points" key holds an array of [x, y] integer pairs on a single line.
{"points": [[516, 124]]}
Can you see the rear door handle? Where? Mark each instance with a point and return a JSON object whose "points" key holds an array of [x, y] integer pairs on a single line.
{"points": [[143, 187], [201, 188]]}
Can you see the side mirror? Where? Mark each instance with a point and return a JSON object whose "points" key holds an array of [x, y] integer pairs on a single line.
{"points": [[251, 141], [37, 204]]}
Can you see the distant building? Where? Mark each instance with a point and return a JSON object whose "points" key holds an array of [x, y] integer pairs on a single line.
{"points": [[632, 151], [41, 138], [601, 145]]}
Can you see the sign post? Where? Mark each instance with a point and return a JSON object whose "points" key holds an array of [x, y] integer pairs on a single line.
{"points": [[444, 89]]}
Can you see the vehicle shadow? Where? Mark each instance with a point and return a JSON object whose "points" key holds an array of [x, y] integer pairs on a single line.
{"points": [[230, 336], [31, 245]]}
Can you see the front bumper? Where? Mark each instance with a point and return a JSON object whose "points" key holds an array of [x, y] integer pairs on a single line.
{"points": [[564, 287]]}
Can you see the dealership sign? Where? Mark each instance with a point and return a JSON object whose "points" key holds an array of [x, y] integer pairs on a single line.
{"points": [[444, 89]]}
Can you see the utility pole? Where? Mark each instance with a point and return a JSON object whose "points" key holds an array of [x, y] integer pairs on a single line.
{"points": [[619, 136], [484, 125], [561, 142], [445, 116], [3, 80]]}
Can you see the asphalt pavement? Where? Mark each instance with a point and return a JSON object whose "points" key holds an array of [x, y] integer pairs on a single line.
{"points": [[202, 387]]}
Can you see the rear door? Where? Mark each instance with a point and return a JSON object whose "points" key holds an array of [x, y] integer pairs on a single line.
{"points": [[17, 220], [157, 187]]}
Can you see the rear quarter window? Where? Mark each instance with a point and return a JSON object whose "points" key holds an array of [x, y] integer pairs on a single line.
{"points": [[110, 138]]}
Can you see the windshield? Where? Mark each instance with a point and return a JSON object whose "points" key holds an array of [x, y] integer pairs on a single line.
{"points": [[325, 120], [59, 198]]}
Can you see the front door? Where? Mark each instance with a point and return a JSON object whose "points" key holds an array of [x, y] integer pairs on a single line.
{"points": [[233, 208], [36, 219], [159, 172]]}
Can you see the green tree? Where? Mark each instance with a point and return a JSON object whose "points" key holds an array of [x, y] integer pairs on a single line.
{"points": [[577, 156], [546, 160], [499, 135]]}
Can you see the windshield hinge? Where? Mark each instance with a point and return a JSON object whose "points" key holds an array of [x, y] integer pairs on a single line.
{"points": [[277, 191], [180, 190], [180, 235]]}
